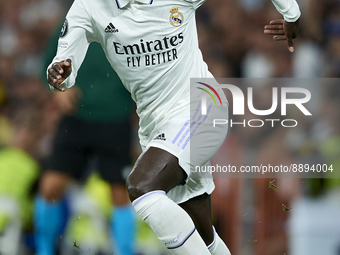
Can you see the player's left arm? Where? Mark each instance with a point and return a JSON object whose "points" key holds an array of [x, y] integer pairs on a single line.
{"points": [[76, 35], [286, 28]]}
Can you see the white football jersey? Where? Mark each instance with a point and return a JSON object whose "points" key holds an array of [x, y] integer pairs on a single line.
{"points": [[151, 44]]}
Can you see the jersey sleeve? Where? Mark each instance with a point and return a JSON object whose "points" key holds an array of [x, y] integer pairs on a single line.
{"points": [[75, 37], [288, 8]]}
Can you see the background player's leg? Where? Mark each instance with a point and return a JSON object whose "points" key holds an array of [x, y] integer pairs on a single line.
{"points": [[199, 209], [114, 165], [53, 185], [48, 211], [122, 220], [155, 173]]}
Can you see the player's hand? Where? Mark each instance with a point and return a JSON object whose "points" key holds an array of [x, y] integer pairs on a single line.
{"points": [[58, 72], [283, 30]]}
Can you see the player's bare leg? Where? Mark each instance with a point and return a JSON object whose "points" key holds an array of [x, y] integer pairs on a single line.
{"points": [[199, 209], [155, 173], [155, 169]]}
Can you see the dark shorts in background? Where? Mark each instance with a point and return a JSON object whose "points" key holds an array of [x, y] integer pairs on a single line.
{"points": [[78, 142]]}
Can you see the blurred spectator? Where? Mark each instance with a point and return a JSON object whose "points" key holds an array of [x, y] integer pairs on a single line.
{"points": [[5, 128], [19, 169]]}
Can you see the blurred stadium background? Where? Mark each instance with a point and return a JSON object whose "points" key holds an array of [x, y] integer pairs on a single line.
{"points": [[247, 214]]}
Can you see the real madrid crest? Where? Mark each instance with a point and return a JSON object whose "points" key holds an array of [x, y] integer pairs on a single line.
{"points": [[176, 18]]}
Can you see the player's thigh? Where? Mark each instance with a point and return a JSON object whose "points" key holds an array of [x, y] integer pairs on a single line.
{"points": [[199, 209], [155, 169]]}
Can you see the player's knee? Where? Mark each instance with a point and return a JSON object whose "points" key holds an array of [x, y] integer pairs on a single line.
{"points": [[135, 188], [50, 193], [53, 185]]}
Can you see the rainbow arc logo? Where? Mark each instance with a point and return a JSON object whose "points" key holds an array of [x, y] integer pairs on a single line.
{"points": [[204, 99]]}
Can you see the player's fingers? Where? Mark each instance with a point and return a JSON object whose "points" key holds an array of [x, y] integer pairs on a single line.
{"points": [[274, 32], [53, 78], [66, 63], [290, 44], [50, 80], [276, 22], [54, 83], [273, 27], [54, 74], [56, 66], [279, 38]]}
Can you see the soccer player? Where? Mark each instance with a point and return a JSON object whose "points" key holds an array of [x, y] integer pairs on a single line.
{"points": [[95, 124], [153, 47]]}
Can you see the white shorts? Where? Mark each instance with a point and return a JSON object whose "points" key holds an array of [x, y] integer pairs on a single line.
{"points": [[194, 140]]}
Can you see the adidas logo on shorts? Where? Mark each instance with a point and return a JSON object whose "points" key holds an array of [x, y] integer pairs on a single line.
{"points": [[160, 137], [111, 29]]}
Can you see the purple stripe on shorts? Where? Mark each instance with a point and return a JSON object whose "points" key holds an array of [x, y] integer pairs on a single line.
{"points": [[198, 125], [180, 132], [188, 130], [186, 123]]}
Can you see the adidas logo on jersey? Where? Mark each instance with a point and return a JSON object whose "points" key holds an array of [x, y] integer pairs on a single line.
{"points": [[111, 29], [160, 137]]}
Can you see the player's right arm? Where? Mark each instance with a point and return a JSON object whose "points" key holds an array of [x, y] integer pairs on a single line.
{"points": [[286, 28], [75, 37]]}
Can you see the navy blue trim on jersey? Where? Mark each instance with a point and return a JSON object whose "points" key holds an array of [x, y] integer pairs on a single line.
{"points": [[120, 7], [117, 4]]}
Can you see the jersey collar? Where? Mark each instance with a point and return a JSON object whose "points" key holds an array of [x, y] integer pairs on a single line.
{"points": [[122, 3]]}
